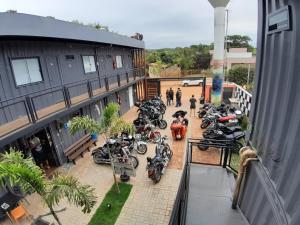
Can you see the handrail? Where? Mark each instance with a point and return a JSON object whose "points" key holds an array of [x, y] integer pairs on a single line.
{"points": [[179, 209], [65, 84], [28, 100]]}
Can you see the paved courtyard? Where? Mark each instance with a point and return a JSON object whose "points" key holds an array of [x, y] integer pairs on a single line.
{"points": [[148, 203]]}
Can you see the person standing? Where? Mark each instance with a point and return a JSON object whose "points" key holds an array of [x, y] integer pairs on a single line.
{"points": [[177, 97], [180, 95], [171, 96], [168, 97], [193, 105]]}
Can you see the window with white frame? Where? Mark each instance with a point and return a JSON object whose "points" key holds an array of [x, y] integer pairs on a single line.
{"points": [[119, 61], [26, 71], [89, 63]]}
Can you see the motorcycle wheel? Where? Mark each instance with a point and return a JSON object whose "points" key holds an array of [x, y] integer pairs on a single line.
{"points": [[204, 124], [156, 136], [97, 158], [134, 160], [202, 147], [163, 111], [162, 124], [200, 115], [124, 177], [157, 176], [169, 154], [141, 149]]}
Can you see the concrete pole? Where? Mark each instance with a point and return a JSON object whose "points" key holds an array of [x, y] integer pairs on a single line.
{"points": [[218, 57]]}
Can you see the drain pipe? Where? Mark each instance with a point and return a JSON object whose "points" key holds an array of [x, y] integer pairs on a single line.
{"points": [[246, 155]]}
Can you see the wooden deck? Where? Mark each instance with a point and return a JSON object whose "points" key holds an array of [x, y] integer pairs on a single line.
{"points": [[99, 91], [14, 125]]}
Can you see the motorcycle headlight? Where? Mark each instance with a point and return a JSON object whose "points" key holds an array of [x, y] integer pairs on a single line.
{"points": [[138, 136]]}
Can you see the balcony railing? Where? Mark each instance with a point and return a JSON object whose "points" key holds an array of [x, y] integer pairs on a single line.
{"points": [[222, 153], [27, 109]]}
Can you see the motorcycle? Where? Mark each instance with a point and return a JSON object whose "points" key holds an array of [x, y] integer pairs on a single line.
{"points": [[113, 149], [156, 166], [155, 103], [134, 143], [234, 139], [222, 127], [179, 125], [148, 133], [154, 116]]}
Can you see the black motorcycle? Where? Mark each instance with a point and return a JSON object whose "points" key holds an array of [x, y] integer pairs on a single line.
{"points": [[209, 132], [233, 139], [156, 166], [113, 149], [154, 118]]}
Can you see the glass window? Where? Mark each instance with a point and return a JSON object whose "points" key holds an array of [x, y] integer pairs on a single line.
{"points": [[26, 71], [89, 63], [119, 61]]}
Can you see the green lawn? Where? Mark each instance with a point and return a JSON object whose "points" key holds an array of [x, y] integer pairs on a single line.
{"points": [[108, 216]]}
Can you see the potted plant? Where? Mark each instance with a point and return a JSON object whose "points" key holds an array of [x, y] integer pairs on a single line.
{"points": [[85, 123]]}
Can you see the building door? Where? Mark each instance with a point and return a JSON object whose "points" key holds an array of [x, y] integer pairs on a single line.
{"points": [[53, 70], [153, 88], [130, 93], [123, 100], [44, 151]]}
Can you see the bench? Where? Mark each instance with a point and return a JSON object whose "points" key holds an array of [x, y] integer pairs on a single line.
{"points": [[79, 147]]}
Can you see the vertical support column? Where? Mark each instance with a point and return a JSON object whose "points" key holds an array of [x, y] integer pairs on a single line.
{"points": [[226, 153], [32, 113], [119, 80], [218, 57], [204, 88], [90, 89]]}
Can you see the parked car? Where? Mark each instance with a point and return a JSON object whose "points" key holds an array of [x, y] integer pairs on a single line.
{"points": [[186, 83]]}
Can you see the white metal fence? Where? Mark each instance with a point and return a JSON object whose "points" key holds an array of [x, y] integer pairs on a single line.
{"points": [[244, 98]]}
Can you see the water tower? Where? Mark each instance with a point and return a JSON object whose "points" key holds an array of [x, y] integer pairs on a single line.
{"points": [[218, 57]]}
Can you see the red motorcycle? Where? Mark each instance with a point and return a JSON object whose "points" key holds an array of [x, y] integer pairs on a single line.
{"points": [[216, 118], [179, 125], [148, 133]]}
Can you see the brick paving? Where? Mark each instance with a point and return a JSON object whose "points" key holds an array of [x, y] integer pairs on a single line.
{"points": [[148, 203], [152, 204]]}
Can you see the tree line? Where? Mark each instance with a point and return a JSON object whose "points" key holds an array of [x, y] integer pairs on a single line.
{"points": [[195, 56]]}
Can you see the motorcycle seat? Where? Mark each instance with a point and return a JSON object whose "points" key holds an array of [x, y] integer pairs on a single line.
{"points": [[235, 135], [233, 129]]}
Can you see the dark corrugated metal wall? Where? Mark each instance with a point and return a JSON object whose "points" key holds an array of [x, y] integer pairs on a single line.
{"points": [[272, 188], [56, 70]]}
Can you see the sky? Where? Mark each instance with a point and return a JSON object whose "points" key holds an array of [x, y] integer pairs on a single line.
{"points": [[164, 23]]}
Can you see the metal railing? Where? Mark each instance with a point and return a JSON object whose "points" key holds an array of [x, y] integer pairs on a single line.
{"points": [[227, 150], [37, 106], [224, 152], [179, 209]]}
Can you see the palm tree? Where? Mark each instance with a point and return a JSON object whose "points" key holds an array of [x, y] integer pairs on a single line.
{"points": [[110, 123], [21, 171]]}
